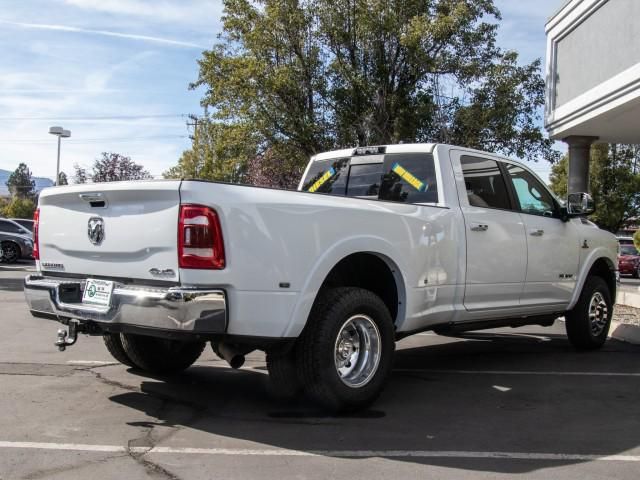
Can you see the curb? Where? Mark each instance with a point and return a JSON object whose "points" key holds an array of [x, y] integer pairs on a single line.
{"points": [[630, 299], [625, 332]]}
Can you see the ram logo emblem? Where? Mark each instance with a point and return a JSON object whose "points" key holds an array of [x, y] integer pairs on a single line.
{"points": [[95, 230]]}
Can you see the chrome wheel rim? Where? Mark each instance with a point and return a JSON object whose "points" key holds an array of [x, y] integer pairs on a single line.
{"points": [[357, 351], [598, 314]]}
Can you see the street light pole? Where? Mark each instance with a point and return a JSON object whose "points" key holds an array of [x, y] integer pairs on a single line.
{"points": [[60, 133], [58, 163]]}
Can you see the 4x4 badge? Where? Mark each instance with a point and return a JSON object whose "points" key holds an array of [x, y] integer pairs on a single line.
{"points": [[95, 230]]}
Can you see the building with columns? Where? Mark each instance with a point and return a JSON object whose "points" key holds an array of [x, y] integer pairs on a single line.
{"points": [[593, 78]]}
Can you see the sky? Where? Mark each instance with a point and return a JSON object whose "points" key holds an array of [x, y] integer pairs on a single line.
{"points": [[116, 73]]}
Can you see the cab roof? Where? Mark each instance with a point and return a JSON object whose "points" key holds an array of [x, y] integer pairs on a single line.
{"points": [[396, 148]]}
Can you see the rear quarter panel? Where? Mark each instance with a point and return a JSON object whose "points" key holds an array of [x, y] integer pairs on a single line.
{"points": [[275, 236]]}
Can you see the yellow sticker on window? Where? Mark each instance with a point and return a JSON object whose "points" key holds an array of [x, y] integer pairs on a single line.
{"points": [[409, 178], [326, 176]]}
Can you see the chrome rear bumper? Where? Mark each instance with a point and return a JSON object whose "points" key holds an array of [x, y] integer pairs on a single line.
{"points": [[172, 309]]}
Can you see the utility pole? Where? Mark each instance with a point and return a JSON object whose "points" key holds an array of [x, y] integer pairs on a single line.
{"points": [[195, 127], [194, 141]]}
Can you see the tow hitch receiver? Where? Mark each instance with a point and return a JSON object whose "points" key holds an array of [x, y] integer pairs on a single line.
{"points": [[66, 339]]}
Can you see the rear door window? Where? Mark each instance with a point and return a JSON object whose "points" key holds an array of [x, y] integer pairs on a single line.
{"points": [[484, 183]]}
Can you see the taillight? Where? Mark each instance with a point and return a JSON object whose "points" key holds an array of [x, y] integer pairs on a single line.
{"points": [[36, 224], [200, 242]]}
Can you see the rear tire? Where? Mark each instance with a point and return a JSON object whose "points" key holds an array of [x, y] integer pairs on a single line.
{"points": [[284, 383], [345, 352], [113, 342], [588, 322], [158, 355]]}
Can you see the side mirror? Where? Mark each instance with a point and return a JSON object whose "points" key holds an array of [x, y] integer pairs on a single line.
{"points": [[579, 204]]}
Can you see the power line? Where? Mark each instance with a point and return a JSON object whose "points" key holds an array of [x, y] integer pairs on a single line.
{"points": [[40, 141], [97, 117]]}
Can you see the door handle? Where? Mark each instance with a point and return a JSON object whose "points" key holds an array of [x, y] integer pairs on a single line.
{"points": [[536, 232], [479, 227], [91, 197]]}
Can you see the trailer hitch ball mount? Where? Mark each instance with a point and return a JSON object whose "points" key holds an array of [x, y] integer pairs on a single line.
{"points": [[67, 338]]}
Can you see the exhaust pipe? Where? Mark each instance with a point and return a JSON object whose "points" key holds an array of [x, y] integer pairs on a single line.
{"points": [[233, 356]]}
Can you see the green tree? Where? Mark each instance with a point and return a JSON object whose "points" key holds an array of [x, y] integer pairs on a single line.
{"points": [[62, 179], [80, 174], [321, 74], [274, 169], [111, 167], [218, 152], [19, 208], [20, 183], [636, 239], [559, 176], [4, 202], [614, 183]]}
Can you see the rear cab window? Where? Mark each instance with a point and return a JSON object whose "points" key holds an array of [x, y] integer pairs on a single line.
{"points": [[394, 177], [327, 176]]}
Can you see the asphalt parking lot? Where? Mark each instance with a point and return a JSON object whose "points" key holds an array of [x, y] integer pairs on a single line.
{"points": [[496, 404]]}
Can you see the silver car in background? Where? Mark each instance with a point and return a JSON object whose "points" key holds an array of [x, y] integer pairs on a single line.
{"points": [[16, 241]]}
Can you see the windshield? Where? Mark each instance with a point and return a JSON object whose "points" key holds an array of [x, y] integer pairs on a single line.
{"points": [[628, 250]]}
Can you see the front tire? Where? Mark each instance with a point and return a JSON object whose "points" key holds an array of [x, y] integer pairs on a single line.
{"points": [[345, 352], [159, 355], [588, 322]]}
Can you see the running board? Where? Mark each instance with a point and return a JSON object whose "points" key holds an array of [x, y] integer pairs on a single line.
{"points": [[457, 327]]}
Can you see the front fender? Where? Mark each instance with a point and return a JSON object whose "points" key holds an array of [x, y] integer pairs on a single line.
{"points": [[332, 256], [597, 253]]}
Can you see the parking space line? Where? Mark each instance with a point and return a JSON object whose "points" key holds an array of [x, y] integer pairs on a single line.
{"points": [[518, 372], [78, 447], [281, 452], [90, 362]]}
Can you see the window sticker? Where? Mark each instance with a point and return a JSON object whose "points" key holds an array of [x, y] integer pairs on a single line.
{"points": [[326, 176], [409, 178]]}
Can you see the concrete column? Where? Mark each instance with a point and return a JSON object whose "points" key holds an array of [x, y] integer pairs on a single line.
{"points": [[579, 154]]}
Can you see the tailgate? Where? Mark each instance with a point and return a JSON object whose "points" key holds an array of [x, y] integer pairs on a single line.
{"points": [[119, 229]]}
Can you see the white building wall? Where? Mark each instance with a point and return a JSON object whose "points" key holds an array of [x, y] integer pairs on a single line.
{"points": [[593, 70]]}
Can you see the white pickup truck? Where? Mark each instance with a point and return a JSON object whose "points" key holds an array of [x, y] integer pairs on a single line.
{"points": [[378, 243]]}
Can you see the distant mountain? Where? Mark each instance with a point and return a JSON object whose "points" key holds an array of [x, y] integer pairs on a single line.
{"points": [[41, 182]]}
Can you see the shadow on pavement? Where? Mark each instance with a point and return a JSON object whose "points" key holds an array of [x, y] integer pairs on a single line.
{"points": [[12, 279], [424, 408], [11, 284]]}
